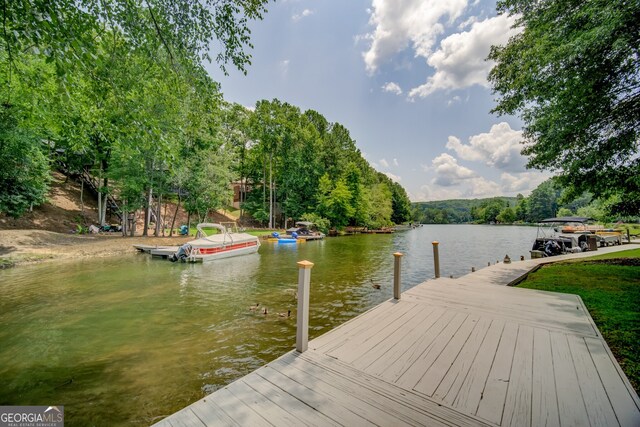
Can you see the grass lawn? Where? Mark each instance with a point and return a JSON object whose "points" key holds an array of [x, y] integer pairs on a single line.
{"points": [[609, 285]]}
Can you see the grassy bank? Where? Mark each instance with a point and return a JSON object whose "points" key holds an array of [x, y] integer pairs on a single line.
{"points": [[609, 285]]}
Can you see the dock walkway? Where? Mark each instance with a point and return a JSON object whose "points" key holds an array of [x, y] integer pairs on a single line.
{"points": [[450, 352]]}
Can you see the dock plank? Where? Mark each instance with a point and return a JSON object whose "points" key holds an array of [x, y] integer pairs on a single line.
{"points": [[211, 414], [329, 406], [261, 404], [352, 328], [452, 381], [493, 396], [471, 391], [453, 336], [405, 400], [417, 326], [430, 343], [293, 405], [372, 408], [432, 378], [623, 401], [235, 408], [544, 402], [365, 340], [392, 364], [593, 394], [571, 407], [517, 406]]}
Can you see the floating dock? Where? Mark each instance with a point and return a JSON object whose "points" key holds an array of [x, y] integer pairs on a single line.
{"points": [[450, 352]]}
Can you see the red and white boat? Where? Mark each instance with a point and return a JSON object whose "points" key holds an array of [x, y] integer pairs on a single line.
{"points": [[224, 244]]}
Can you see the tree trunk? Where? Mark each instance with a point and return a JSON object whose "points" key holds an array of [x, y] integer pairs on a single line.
{"points": [[103, 214], [271, 190], [158, 216], [147, 212], [82, 197], [99, 205], [125, 216], [175, 214], [132, 230]]}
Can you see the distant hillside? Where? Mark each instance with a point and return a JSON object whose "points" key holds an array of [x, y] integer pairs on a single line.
{"points": [[454, 211]]}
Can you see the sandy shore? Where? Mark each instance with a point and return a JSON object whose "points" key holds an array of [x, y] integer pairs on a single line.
{"points": [[18, 247]]}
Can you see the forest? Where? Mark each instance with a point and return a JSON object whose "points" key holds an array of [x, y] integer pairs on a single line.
{"points": [[548, 200], [148, 125]]}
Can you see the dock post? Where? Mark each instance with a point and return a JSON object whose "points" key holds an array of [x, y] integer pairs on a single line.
{"points": [[304, 280], [396, 275], [436, 258]]}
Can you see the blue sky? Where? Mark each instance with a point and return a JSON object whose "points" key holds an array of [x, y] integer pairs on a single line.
{"points": [[406, 77]]}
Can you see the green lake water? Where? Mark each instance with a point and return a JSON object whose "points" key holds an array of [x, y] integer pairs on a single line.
{"points": [[129, 340]]}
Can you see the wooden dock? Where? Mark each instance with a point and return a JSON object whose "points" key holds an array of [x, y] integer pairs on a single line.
{"points": [[454, 352]]}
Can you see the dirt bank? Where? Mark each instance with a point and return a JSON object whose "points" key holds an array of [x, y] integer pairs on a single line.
{"points": [[18, 247]]}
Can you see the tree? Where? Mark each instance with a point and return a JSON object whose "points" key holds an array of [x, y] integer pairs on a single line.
{"points": [[381, 209], [64, 30], [506, 216], [572, 76], [491, 210], [24, 169], [334, 201], [543, 201], [522, 206], [400, 204]]}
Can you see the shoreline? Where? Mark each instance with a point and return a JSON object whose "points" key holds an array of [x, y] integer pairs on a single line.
{"points": [[27, 247]]}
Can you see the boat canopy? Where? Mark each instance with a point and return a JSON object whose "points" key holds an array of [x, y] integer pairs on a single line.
{"points": [[567, 219]]}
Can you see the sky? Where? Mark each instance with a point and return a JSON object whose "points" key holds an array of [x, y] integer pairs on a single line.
{"points": [[408, 78]]}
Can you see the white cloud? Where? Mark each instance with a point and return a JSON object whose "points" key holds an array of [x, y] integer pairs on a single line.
{"points": [[400, 24], [460, 60], [392, 87], [431, 193], [392, 177], [522, 182], [466, 24], [395, 162], [448, 171], [499, 148], [482, 187], [303, 14], [384, 163]]}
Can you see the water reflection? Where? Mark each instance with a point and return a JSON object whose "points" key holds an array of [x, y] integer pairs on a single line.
{"points": [[126, 340]]}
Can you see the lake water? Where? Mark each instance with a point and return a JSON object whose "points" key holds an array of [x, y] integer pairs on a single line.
{"points": [[129, 340]]}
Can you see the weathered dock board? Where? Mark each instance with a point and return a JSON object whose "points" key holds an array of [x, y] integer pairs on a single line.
{"points": [[454, 352]]}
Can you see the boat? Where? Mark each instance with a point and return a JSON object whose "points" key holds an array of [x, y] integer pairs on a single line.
{"points": [[305, 230], [226, 243], [552, 242], [277, 238]]}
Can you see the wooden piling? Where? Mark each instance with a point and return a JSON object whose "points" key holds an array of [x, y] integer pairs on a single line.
{"points": [[396, 275], [436, 258], [304, 281]]}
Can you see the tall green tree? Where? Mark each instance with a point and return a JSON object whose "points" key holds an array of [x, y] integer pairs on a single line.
{"points": [[64, 30], [27, 128], [24, 168], [572, 76], [543, 201]]}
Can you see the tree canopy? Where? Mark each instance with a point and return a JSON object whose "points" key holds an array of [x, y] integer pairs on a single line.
{"points": [[65, 30], [571, 74]]}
